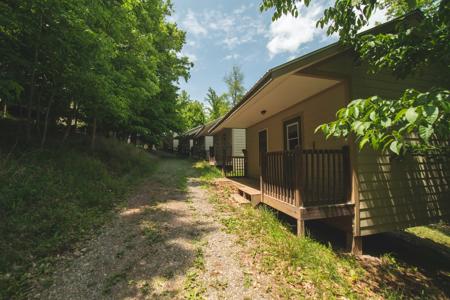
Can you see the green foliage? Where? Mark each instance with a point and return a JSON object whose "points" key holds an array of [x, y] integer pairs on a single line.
{"points": [[414, 44], [415, 123], [191, 112], [117, 62], [51, 199], [218, 105], [235, 81]]}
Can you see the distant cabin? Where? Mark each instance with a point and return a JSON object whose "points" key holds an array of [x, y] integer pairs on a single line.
{"points": [[229, 142]]}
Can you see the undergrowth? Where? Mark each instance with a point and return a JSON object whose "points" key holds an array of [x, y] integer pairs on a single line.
{"points": [[50, 199]]}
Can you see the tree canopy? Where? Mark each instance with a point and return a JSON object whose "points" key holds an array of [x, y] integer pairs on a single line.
{"points": [[217, 105], [110, 65], [235, 83], [191, 112], [418, 121]]}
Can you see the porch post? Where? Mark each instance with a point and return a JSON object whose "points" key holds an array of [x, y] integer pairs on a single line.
{"points": [[298, 185], [262, 166]]}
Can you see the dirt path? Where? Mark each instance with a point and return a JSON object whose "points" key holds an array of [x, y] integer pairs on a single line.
{"points": [[167, 243]]}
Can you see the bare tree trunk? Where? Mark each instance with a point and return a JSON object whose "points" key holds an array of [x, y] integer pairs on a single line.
{"points": [[33, 79], [47, 114], [4, 110], [94, 133], [69, 123], [38, 114], [75, 125]]}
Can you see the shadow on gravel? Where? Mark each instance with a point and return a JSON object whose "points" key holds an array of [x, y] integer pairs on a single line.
{"points": [[146, 251]]}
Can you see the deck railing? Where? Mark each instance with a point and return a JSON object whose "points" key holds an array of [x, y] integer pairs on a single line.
{"points": [[307, 177], [235, 166]]}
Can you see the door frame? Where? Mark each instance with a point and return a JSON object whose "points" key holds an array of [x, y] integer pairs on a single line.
{"points": [[267, 145]]}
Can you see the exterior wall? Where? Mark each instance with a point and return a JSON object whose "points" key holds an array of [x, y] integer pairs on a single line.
{"points": [[393, 194], [400, 193], [314, 111], [222, 143], [209, 142], [239, 144]]}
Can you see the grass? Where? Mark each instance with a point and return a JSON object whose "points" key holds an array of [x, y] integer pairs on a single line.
{"points": [[438, 233], [194, 287], [303, 267], [51, 199], [309, 269]]}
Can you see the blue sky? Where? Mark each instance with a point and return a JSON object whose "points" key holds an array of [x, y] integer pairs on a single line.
{"points": [[221, 34]]}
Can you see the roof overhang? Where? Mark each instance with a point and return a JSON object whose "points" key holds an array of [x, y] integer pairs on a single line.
{"points": [[279, 95], [279, 89]]}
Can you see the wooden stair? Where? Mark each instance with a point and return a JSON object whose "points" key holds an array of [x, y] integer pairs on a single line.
{"points": [[240, 200], [250, 194]]}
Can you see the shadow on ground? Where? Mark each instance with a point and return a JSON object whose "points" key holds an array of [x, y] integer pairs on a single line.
{"points": [[395, 260]]}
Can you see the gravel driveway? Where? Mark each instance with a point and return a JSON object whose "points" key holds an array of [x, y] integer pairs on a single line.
{"points": [[167, 243]]}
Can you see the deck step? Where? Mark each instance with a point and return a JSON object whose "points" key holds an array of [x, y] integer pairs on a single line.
{"points": [[251, 195], [240, 200]]}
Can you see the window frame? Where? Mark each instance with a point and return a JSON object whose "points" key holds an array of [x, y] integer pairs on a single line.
{"points": [[287, 124]]}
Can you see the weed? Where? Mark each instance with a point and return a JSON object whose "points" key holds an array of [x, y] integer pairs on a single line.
{"points": [[151, 233], [112, 280], [194, 288], [220, 285], [248, 281]]}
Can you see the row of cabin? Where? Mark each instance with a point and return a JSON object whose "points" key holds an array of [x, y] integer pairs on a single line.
{"points": [[198, 142], [309, 177]]}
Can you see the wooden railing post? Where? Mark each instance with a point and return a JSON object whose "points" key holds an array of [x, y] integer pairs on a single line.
{"points": [[262, 170], [298, 177], [346, 172]]}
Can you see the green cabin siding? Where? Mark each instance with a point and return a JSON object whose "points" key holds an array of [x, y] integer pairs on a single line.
{"points": [[394, 194]]}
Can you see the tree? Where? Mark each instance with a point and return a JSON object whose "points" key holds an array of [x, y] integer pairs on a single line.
{"points": [[114, 65], [191, 112], [234, 81], [218, 105], [418, 121]]}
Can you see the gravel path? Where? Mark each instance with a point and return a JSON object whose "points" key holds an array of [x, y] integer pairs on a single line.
{"points": [[168, 243]]}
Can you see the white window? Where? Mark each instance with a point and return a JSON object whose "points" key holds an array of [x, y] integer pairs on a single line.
{"points": [[292, 134]]}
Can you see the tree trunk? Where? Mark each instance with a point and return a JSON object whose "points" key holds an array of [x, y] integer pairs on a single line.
{"points": [[69, 123], [38, 114], [94, 132], [47, 114], [75, 125], [33, 79], [4, 110]]}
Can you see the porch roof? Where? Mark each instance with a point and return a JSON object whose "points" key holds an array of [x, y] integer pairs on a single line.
{"points": [[280, 88]]}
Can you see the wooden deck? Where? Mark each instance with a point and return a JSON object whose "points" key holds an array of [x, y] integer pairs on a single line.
{"points": [[250, 190]]}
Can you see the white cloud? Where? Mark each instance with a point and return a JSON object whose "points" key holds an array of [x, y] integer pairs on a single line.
{"points": [[233, 56], [191, 56], [192, 25], [223, 28], [288, 33], [378, 17]]}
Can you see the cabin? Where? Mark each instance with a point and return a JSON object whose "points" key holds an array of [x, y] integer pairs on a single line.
{"points": [[229, 146], [204, 142], [309, 177], [186, 141]]}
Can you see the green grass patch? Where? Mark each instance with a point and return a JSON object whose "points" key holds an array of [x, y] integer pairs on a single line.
{"points": [[51, 199], [299, 261], [194, 287], [207, 172], [438, 233]]}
